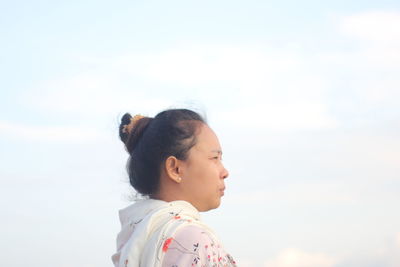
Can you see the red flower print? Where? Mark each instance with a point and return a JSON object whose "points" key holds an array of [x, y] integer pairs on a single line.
{"points": [[166, 244]]}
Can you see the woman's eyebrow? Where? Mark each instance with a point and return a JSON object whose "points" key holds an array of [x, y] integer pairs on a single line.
{"points": [[218, 151]]}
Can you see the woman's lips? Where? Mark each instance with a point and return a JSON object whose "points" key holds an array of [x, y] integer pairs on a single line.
{"points": [[222, 191]]}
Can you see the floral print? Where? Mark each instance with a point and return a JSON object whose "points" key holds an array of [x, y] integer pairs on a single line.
{"points": [[193, 246], [166, 244]]}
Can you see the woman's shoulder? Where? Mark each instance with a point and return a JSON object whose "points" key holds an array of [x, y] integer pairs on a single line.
{"points": [[196, 235], [194, 245]]}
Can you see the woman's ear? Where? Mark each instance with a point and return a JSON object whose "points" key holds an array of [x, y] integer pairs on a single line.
{"points": [[172, 165]]}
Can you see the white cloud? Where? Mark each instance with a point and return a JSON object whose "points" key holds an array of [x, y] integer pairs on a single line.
{"points": [[397, 240], [280, 116], [304, 194], [378, 36], [93, 93], [292, 257], [392, 253], [200, 65], [50, 133], [258, 86], [385, 254], [364, 67], [375, 25], [276, 86]]}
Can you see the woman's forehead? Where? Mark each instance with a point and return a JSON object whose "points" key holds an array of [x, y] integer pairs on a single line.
{"points": [[207, 139]]}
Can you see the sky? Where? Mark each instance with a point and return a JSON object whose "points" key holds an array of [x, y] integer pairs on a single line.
{"points": [[303, 96]]}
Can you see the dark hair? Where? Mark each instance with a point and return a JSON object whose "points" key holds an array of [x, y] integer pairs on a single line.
{"points": [[152, 140]]}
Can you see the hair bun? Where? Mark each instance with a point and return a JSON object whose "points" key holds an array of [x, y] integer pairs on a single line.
{"points": [[125, 120], [131, 129]]}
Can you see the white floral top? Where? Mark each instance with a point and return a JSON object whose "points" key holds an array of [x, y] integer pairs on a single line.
{"points": [[155, 233]]}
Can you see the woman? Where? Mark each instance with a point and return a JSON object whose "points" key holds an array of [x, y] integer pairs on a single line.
{"points": [[175, 161]]}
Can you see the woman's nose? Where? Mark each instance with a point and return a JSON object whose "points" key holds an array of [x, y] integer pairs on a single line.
{"points": [[225, 173]]}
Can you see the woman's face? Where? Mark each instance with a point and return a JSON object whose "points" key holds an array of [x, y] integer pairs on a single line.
{"points": [[203, 173]]}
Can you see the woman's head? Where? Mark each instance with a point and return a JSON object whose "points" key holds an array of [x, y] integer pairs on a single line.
{"points": [[152, 140], [174, 156]]}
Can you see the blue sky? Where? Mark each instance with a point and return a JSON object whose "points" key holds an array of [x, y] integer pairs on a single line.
{"points": [[303, 96]]}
